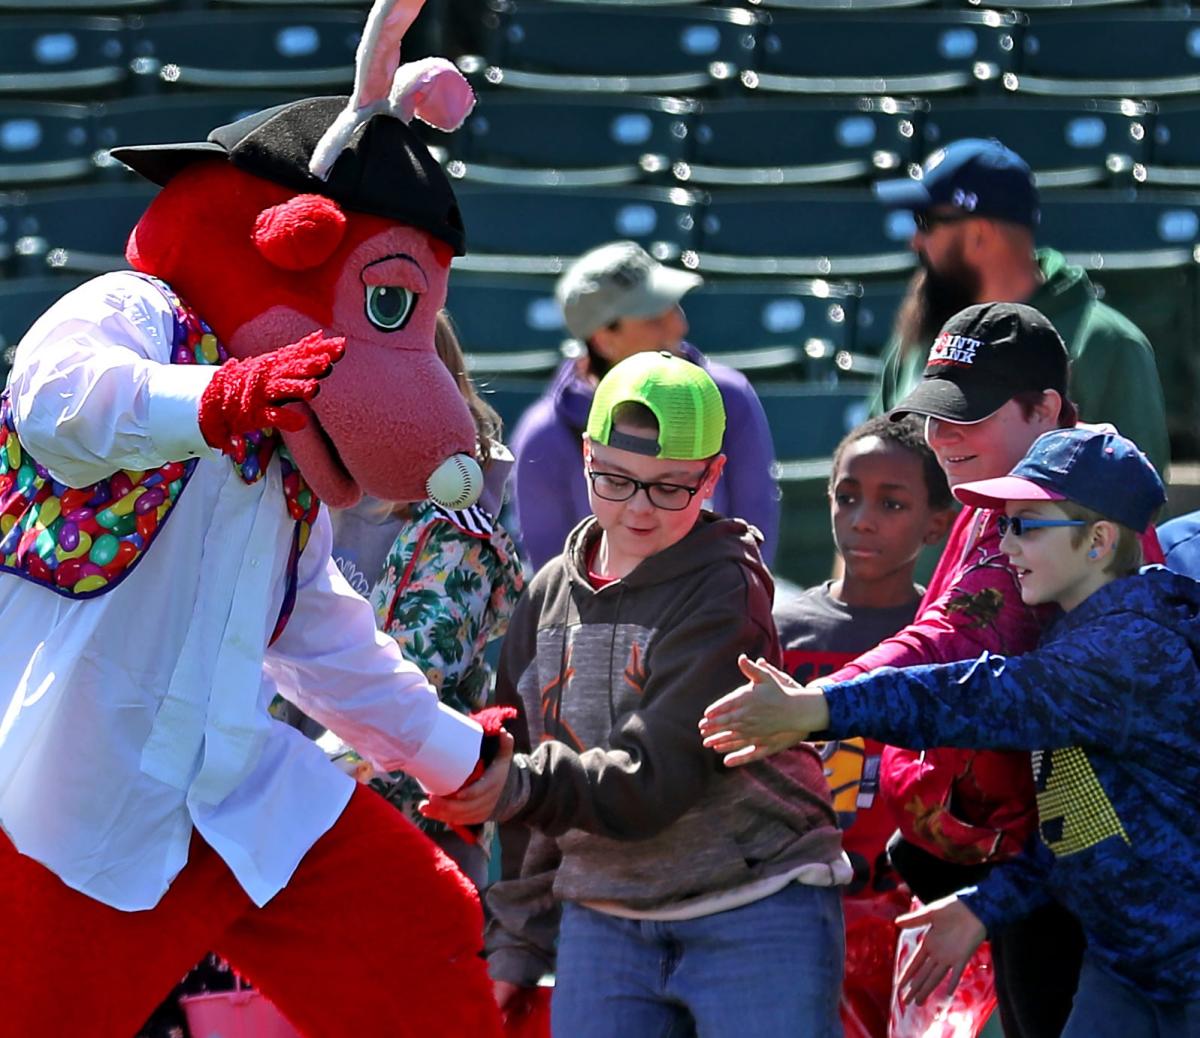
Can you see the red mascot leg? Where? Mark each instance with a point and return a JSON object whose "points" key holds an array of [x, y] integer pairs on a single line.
{"points": [[376, 933], [70, 965]]}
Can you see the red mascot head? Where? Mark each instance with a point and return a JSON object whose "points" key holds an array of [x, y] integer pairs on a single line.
{"points": [[329, 214]]}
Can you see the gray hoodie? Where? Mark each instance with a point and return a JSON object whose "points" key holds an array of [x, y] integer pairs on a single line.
{"points": [[624, 803]]}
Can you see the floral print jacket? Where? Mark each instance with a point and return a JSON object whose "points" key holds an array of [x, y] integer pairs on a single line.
{"points": [[448, 587]]}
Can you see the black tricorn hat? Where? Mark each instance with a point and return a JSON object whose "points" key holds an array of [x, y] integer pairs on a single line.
{"points": [[385, 170]]}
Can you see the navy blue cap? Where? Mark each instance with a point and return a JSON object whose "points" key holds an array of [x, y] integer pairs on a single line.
{"points": [[1100, 470], [977, 176]]}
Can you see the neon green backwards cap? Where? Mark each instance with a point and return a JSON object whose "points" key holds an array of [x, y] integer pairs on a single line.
{"points": [[681, 395]]}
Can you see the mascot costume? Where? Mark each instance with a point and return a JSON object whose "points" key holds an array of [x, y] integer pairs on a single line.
{"points": [[166, 441]]}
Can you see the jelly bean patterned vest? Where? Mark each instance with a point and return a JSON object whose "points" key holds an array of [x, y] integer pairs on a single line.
{"points": [[82, 542]]}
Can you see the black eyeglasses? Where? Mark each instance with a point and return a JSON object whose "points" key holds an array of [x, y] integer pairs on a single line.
{"points": [[670, 497], [926, 220], [1019, 526]]}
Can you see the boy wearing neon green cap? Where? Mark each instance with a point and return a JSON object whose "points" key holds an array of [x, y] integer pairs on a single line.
{"points": [[685, 897]]}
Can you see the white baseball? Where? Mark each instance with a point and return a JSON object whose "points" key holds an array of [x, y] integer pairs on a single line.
{"points": [[456, 483]]}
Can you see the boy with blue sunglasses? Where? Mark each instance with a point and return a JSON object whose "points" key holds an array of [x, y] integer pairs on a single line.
{"points": [[1108, 705]]}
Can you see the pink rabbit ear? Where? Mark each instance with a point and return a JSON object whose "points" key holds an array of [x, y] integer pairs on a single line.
{"points": [[378, 54], [434, 91], [376, 61]]}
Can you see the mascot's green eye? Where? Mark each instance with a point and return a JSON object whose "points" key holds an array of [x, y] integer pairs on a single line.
{"points": [[390, 306]]}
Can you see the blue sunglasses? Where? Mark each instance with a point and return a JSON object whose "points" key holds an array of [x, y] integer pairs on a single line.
{"points": [[1018, 526]]}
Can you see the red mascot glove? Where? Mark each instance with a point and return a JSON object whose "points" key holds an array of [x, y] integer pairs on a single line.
{"points": [[245, 395], [492, 720]]}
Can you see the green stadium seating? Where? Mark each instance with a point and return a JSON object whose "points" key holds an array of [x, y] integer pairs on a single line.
{"points": [[77, 230], [102, 7], [310, 50], [617, 48], [883, 52], [56, 56], [841, 234], [22, 301], [511, 396], [531, 231], [779, 326], [762, 141], [568, 139], [171, 119], [1111, 54], [1115, 232], [43, 142], [808, 421], [1175, 149], [498, 312], [506, 325], [1068, 143], [875, 315]]}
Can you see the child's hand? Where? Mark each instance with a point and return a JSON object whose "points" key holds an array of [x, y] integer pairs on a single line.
{"points": [[954, 934], [767, 715], [474, 803]]}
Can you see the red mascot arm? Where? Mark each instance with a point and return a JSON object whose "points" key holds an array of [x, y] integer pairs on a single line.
{"points": [[250, 394], [492, 720]]}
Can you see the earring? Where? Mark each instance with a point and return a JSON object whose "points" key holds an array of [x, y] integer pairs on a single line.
{"points": [[1094, 553]]}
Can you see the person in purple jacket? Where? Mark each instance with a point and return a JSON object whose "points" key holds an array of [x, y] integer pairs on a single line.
{"points": [[619, 301]]}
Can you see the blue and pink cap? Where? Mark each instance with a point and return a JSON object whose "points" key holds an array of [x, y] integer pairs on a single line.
{"points": [[1098, 469]]}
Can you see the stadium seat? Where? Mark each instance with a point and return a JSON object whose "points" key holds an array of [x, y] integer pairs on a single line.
{"points": [[511, 396], [808, 421], [875, 314], [836, 233], [1175, 146], [8, 228], [1119, 233], [306, 50], [617, 48], [1110, 54], [507, 325], [77, 230], [22, 301], [102, 7], [1071, 143], [568, 139], [526, 231], [766, 141], [826, 6], [497, 312], [912, 52], [168, 120], [765, 327], [63, 55], [43, 142]]}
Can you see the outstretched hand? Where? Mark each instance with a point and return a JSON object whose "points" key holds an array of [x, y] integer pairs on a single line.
{"points": [[476, 802], [767, 715], [953, 935]]}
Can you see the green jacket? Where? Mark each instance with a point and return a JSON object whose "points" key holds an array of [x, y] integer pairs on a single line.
{"points": [[1113, 374]]}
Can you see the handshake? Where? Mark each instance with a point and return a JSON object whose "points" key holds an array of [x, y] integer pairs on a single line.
{"points": [[474, 802], [768, 714]]}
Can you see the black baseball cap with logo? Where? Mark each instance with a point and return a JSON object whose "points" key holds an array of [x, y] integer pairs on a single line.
{"points": [[983, 357]]}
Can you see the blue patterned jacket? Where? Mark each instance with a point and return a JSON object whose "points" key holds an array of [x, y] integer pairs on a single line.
{"points": [[1110, 705]]}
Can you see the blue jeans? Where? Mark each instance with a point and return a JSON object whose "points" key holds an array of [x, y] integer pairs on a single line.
{"points": [[1107, 1008], [771, 968]]}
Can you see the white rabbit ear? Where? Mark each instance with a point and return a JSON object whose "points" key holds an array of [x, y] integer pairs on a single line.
{"points": [[434, 91], [376, 62]]}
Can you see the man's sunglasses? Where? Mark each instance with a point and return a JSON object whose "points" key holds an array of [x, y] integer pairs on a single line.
{"points": [[926, 220], [1019, 526]]}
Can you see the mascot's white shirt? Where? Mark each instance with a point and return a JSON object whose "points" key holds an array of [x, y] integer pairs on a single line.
{"points": [[128, 719]]}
